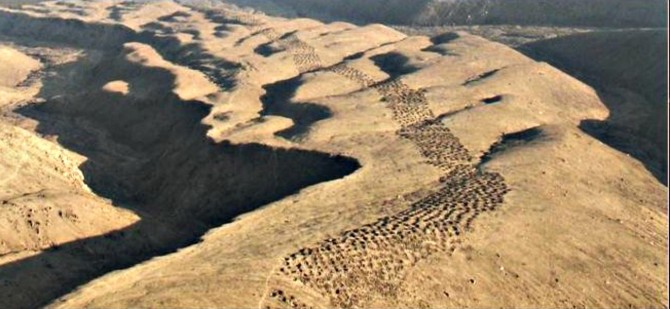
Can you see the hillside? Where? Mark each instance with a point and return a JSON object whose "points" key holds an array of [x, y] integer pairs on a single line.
{"points": [[565, 13], [167, 156], [604, 43], [631, 81]]}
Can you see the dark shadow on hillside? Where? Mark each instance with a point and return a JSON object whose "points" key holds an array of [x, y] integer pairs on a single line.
{"points": [[193, 56], [509, 141], [492, 100], [71, 32], [174, 17], [157, 27], [438, 42], [268, 49], [444, 38], [78, 34], [628, 70], [394, 64], [479, 78], [277, 101], [626, 141], [148, 151]]}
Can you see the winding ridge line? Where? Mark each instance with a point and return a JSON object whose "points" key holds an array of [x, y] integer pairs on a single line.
{"points": [[371, 261]]}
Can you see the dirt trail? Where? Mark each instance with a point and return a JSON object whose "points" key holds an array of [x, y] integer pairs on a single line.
{"points": [[370, 261]]}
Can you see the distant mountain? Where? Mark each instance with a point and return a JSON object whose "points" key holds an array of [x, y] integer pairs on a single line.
{"points": [[591, 13]]}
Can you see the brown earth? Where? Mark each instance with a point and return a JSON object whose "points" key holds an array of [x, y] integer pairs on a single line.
{"points": [[158, 155], [628, 69]]}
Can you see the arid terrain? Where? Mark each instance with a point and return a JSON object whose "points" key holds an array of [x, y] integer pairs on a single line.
{"points": [[619, 47], [156, 154]]}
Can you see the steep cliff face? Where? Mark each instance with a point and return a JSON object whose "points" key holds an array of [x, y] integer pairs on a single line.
{"points": [[210, 157]]}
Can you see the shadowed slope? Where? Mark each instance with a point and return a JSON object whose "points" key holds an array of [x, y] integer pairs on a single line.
{"points": [[277, 101], [148, 151], [546, 221], [623, 67]]}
